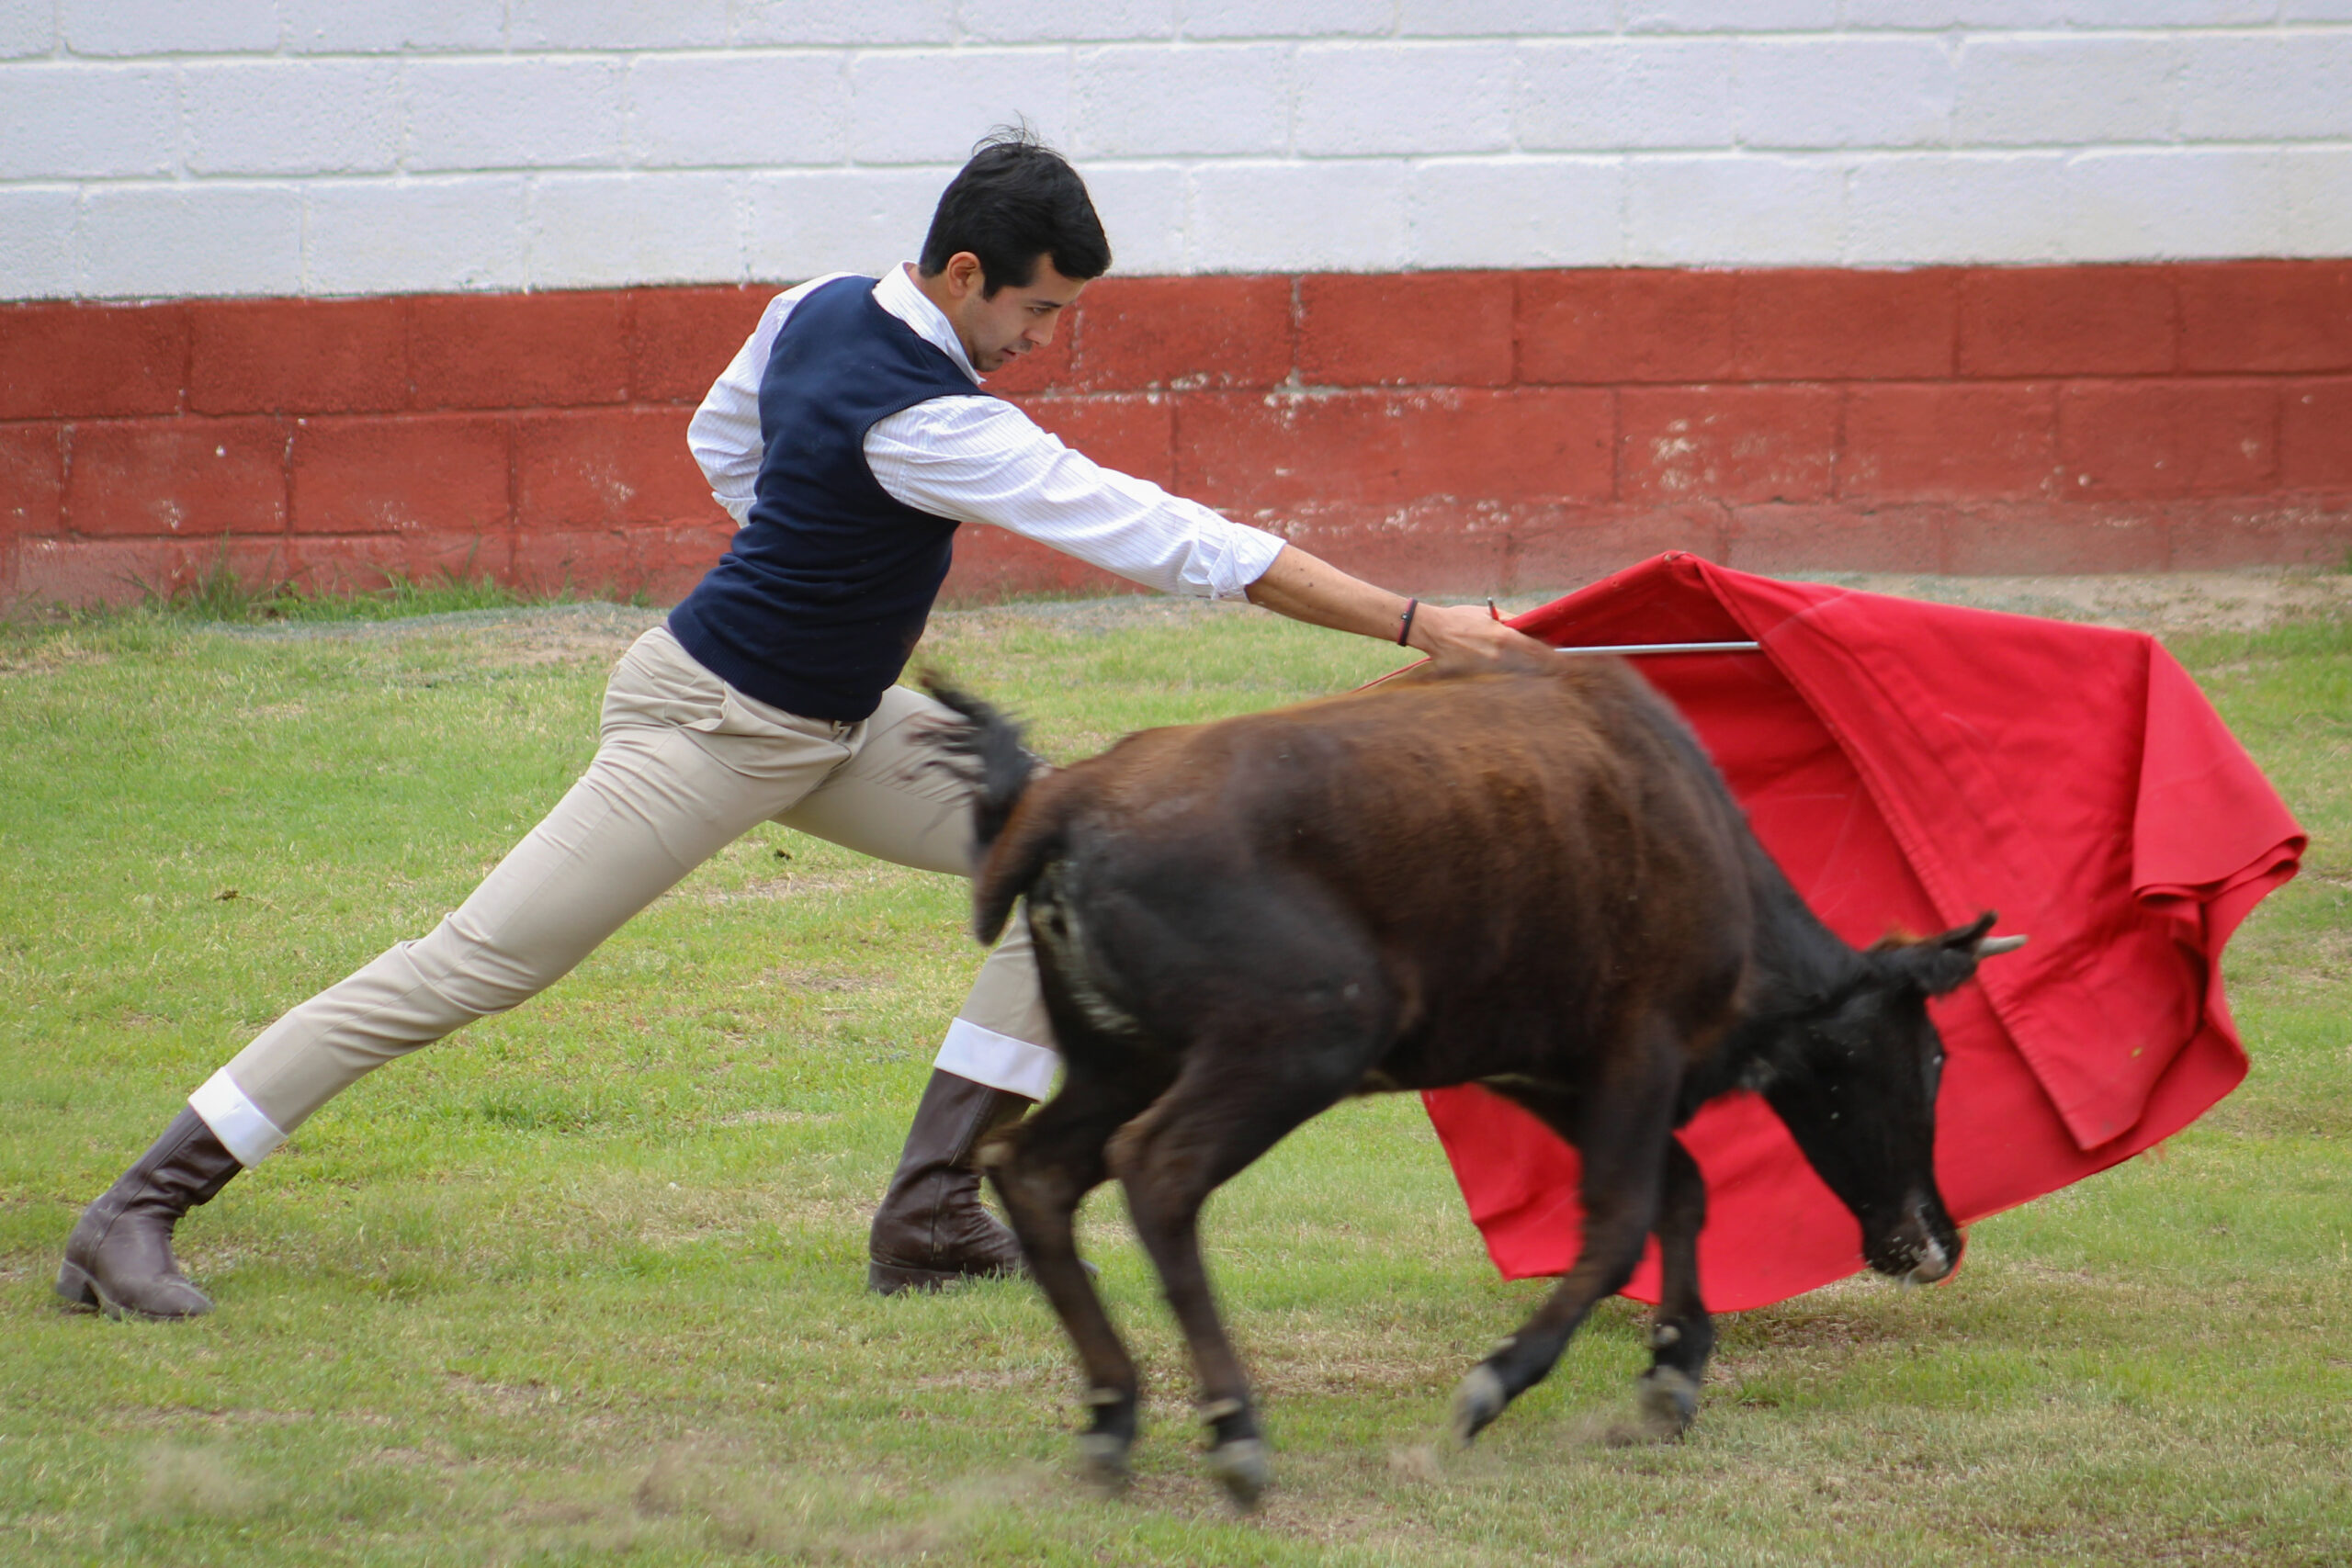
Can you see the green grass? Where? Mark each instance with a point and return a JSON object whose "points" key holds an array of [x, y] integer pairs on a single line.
{"points": [[585, 1282]]}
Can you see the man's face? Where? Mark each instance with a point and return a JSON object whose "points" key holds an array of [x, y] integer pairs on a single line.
{"points": [[997, 331]]}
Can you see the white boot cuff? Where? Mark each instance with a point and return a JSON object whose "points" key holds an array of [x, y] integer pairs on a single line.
{"points": [[996, 1060], [235, 1119]]}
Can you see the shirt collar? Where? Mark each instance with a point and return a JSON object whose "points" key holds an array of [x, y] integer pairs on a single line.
{"points": [[895, 292]]}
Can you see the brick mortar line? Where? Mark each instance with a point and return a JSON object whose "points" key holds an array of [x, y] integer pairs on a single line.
{"points": [[1958, 33]]}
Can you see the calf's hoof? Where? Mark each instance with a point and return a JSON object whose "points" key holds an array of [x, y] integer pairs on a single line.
{"points": [[1668, 1400], [1103, 1460], [1477, 1401], [1242, 1468]]}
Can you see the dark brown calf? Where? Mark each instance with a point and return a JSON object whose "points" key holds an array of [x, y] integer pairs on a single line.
{"points": [[1531, 880]]}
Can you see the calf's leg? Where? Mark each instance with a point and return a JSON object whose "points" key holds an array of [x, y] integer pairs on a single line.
{"points": [[1618, 1132], [1682, 1333], [1042, 1170], [1227, 1108]]}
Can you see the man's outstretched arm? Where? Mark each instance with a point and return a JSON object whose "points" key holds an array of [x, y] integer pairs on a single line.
{"points": [[1307, 588]]}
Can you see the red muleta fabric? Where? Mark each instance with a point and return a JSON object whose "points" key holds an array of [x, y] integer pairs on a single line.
{"points": [[1910, 766]]}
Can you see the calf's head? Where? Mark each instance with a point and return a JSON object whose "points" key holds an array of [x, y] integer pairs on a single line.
{"points": [[1855, 1077]]}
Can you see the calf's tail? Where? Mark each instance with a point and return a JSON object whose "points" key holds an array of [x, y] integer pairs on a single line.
{"points": [[989, 749]]}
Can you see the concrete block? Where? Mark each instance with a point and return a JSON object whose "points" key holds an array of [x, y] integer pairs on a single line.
{"points": [[1729, 16], [213, 238], [2315, 436], [403, 473], [298, 356], [28, 28], [606, 467], [803, 223], [32, 483], [845, 21], [2319, 201], [1948, 442], [603, 25], [1599, 327], [67, 361], [2156, 439], [1697, 209], [37, 241], [1844, 93], [930, 105], [1625, 93], [1158, 101], [1959, 207], [1067, 22], [2262, 317], [1745, 445], [291, 116], [1416, 99], [381, 236], [566, 348], [758, 109], [1330, 217], [413, 27], [2152, 205], [1288, 18], [1933, 15], [609, 229], [512, 114], [1844, 323], [1431, 329], [168, 26], [2069, 320], [2281, 86], [1515, 213], [193, 478], [2064, 90], [2167, 12], [1504, 18], [679, 339], [1142, 209], [1185, 335], [87, 121]]}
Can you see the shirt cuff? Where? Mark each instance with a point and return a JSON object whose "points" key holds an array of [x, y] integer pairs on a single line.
{"points": [[1234, 557]]}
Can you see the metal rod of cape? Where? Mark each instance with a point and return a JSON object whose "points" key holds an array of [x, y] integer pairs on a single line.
{"points": [[1628, 649]]}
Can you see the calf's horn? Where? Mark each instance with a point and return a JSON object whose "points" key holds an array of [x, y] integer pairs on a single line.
{"points": [[1993, 946]]}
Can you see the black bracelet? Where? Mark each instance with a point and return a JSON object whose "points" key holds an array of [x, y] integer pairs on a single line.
{"points": [[1405, 623]]}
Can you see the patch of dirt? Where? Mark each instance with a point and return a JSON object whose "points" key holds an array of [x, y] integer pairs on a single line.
{"points": [[2166, 604]]}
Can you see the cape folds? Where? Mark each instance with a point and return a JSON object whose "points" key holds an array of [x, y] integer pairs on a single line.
{"points": [[1911, 765]]}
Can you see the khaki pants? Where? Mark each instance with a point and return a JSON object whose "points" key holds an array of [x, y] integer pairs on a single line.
{"points": [[685, 765]]}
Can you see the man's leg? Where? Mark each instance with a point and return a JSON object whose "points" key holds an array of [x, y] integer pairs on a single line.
{"points": [[929, 1229], [682, 770]]}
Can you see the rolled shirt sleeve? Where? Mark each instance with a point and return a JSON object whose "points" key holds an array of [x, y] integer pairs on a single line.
{"points": [[983, 460]]}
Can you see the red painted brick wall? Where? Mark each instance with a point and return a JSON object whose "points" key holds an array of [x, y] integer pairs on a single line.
{"points": [[1445, 432]]}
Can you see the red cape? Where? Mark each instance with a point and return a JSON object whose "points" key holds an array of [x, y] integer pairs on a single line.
{"points": [[1911, 765]]}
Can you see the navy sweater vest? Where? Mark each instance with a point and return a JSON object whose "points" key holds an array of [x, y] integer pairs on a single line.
{"points": [[819, 603]]}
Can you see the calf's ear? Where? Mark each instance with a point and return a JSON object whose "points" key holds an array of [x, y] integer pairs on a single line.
{"points": [[1945, 962]]}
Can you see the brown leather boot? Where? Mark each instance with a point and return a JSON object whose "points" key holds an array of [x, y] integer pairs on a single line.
{"points": [[120, 1257], [931, 1230]]}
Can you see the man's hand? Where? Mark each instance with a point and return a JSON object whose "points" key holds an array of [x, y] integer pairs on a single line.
{"points": [[1306, 589], [1468, 631]]}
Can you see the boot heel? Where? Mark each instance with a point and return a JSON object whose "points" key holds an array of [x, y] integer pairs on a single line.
{"points": [[75, 1285], [896, 1279]]}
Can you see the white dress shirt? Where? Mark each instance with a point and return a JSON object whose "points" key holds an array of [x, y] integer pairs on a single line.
{"points": [[980, 460]]}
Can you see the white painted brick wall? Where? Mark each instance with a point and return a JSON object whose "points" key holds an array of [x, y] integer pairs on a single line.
{"points": [[338, 146]]}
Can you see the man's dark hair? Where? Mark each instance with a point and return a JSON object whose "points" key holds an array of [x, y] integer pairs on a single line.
{"points": [[1016, 200]]}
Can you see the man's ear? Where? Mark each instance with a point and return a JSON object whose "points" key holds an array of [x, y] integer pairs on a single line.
{"points": [[964, 275]]}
